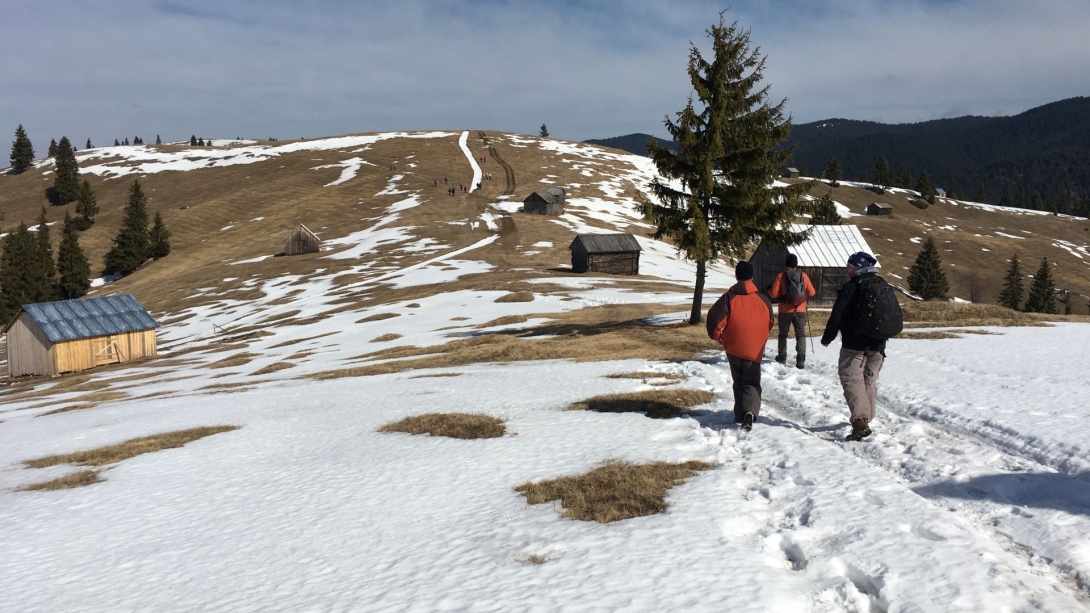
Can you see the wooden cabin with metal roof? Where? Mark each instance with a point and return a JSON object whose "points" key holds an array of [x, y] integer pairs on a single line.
{"points": [[302, 240], [51, 338], [617, 254], [549, 202], [823, 256]]}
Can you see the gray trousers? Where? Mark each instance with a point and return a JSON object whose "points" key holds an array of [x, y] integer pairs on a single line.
{"points": [[747, 386], [858, 372], [786, 321]]}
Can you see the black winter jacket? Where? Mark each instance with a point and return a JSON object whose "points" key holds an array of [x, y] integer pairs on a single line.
{"points": [[842, 321]]}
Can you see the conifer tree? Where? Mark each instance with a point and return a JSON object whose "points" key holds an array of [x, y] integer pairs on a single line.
{"points": [[832, 170], [544, 133], [130, 248], [22, 151], [116, 143], [923, 185], [66, 179], [73, 269], [86, 205], [825, 213], [193, 141], [88, 145], [980, 194], [22, 279], [1011, 294], [1042, 292], [735, 133], [903, 180], [200, 142], [126, 141], [52, 147], [883, 177], [44, 246], [926, 279], [158, 141], [159, 238], [1036, 203], [1008, 197]]}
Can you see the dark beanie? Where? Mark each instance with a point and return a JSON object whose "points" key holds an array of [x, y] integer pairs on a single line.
{"points": [[743, 271], [792, 260]]}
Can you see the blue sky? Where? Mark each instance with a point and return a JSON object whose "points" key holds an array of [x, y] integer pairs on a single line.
{"points": [[589, 69]]}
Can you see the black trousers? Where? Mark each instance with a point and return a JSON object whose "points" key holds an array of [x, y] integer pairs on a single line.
{"points": [[747, 386]]}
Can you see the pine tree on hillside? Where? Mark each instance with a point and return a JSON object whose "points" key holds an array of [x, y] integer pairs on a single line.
{"points": [[736, 133], [544, 133], [116, 143], [66, 179], [88, 145], [158, 141], [980, 197], [825, 213], [883, 177], [832, 170], [45, 251], [1011, 294], [923, 184], [159, 238], [903, 179], [22, 279], [130, 248], [86, 206], [1008, 197], [1036, 203], [193, 141], [1042, 292], [22, 152], [52, 147], [73, 269], [200, 142], [926, 279], [126, 141]]}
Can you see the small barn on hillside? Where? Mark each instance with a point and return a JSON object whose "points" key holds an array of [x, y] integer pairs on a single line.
{"points": [[824, 256], [791, 173], [51, 338], [617, 254], [940, 192], [879, 208], [302, 240], [549, 202]]}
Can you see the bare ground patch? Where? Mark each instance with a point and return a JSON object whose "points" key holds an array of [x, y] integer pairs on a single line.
{"points": [[271, 368], [300, 340], [76, 479], [131, 448], [656, 404], [613, 492], [438, 374], [240, 359], [453, 425], [385, 338], [516, 297], [378, 317]]}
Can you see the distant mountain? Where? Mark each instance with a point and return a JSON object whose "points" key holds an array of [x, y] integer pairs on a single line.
{"points": [[632, 143], [1043, 151]]}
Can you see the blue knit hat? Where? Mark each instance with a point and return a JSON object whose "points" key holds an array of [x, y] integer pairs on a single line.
{"points": [[862, 259]]}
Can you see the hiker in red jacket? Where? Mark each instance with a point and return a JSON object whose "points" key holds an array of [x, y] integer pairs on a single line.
{"points": [[741, 320], [791, 289]]}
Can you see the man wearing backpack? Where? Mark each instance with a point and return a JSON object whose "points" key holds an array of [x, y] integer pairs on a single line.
{"points": [[866, 314], [741, 320], [790, 290]]}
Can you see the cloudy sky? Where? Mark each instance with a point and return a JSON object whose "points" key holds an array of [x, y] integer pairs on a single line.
{"points": [[588, 69]]}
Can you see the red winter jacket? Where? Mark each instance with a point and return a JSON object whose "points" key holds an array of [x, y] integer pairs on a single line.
{"points": [[741, 320]]}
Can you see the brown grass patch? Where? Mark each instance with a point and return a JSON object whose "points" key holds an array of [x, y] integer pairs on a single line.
{"points": [[67, 409], [378, 317], [506, 320], [438, 374], [516, 297], [613, 492], [415, 305], [300, 340], [459, 319], [129, 449], [929, 335], [453, 425], [76, 479], [536, 559], [240, 359], [385, 338], [88, 401], [300, 355], [271, 368], [656, 404], [647, 374]]}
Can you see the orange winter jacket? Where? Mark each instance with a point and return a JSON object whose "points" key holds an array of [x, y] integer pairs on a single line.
{"points": [[741, 320], [779, 290]]}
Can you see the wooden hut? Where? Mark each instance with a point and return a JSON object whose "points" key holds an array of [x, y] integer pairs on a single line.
{"points": [[878, 208], [791, 173], [617, 254], [549, 202], [51, 338], [940, 192], [301, 240], [824, 256]]}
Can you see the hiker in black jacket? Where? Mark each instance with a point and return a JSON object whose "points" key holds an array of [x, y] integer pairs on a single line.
{"points": [[861, 356]]}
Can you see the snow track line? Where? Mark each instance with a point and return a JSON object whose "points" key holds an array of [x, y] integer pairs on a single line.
{"points": [[508, 172], [463, 141]]}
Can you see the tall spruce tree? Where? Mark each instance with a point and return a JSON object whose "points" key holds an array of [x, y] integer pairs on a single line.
{"points": [[22, 280], [66, 179], [980, 197], [824, 212], [193, 141], [45, 251], [544, 132], [1011, 294], [86, 206], [73, 269], [88, 146], [1008, 197], [130, 248], [926, 279], [116, 143], [726, 163], [883, 177], [52, 147], [159, 238], [1042, 292], [923, 185], [22, 151], [832, 170], [903, 179], [158, 141]]}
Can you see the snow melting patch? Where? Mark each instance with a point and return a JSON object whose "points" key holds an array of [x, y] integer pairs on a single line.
{"points": [[477, 174], [1005, 235], [349, 168]]}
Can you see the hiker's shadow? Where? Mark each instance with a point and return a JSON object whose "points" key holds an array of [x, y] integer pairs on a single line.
{"points": [[1067, 493]]}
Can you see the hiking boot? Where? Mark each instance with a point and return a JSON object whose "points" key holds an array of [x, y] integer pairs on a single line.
{"points": [[860, 430], [782, 358], [747, 422], [800, 362]]}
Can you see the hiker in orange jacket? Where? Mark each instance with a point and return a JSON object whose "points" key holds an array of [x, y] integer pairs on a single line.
{"points": [[791, 289], [741, 320]]}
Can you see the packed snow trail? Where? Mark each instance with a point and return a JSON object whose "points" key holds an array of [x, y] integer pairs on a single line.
{"points": [[463, 142]]}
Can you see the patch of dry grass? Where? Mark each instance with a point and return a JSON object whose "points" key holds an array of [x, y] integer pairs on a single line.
{"points": [[516, 297], [537, 559], [613, 492], [453, 425], [300, 340], [385, 338], [928, 335], [647, 374], [656, 404], [378, 317], [131, 448], [271, 368], [438, 374], [240, 359], [76, 479]]}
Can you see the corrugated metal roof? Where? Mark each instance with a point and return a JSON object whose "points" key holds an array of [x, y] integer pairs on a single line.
{"points": [[550, 196], [607, 243], [69, 320], [829, 246]]}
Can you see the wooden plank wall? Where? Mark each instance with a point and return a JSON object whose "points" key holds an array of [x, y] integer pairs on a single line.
{"points": [[300, 242], [73, 356], [29, 350], [615, 263]]}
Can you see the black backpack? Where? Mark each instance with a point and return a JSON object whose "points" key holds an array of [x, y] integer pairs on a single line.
{"points": [[877, 312]]}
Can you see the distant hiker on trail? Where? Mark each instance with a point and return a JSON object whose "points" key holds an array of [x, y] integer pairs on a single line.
{"points": [[866, 314], [741, 320], [790, 290]]}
